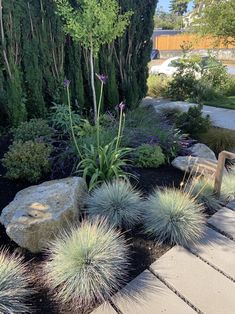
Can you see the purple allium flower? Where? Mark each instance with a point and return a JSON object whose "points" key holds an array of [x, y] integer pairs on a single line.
{"points": [[122, 105], [66, 83], [103, 78]]}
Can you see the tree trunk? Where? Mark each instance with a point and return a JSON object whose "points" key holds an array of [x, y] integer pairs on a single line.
{"points": [[93, 85]]}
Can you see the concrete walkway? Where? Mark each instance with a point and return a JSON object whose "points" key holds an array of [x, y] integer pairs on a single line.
{"points": [[223, 118], [199, 279]]}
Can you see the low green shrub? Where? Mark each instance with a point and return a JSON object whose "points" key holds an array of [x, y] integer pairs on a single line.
{"points": [[14, 285], [157, 86], [173, 216], [118, 202], [149, 156], [218, 139], [33, 130], [171, 113], [192, 122], [86, 264], [60, 118], [27, 161], [203, 190]]}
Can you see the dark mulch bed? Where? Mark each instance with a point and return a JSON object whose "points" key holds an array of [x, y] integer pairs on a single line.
{"points": [[143, 251]]}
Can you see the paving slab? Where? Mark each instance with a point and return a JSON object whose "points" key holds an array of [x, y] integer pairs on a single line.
{"points": [[224, 220], [105, 308], [146, 294], [217, 250], [220, 117], [231, 205], [203, 286]]}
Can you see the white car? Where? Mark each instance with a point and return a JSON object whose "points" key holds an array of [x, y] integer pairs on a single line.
{"points": [[168, 67]]}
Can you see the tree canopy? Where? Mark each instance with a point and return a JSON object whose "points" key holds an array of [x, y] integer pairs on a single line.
{"points": [[215, 18], [179, 7]]}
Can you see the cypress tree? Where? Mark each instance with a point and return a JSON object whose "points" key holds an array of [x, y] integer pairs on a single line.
{"points": [[39, 56]]}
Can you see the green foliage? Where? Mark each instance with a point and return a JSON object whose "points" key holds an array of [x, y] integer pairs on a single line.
{"points": [[192, 122], [218, 139], [223, 12], [202, 189], [40, 55], [199, 79], [157, 86], [59, 118], [86, 264], [167, 20], [103, 163], [14, 285], [148, 155], [27, 160], [117, 202], [33, 130], [93, 23], [179, 7], [173, 216]]}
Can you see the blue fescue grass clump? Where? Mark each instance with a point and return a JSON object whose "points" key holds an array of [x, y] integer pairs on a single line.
{"points": [[202, 189], [14, 284], [228, 185], [118, 202], [87, 264], [173, 216]]}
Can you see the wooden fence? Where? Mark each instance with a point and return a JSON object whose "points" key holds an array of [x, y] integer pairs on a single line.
{"points": [[175, 42]]}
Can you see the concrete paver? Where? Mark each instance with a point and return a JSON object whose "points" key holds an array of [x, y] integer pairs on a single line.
{"points": [[231, 205], [207, 289], [224, 220], [217, 250], [105, 308], [220, 117], [148, 295]]}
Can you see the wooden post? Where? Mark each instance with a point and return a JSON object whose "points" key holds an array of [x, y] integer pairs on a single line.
{"points": [[220, 170]]}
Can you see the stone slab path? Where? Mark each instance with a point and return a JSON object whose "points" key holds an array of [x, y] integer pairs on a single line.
{"points": [[223, 118], [196, 279]]}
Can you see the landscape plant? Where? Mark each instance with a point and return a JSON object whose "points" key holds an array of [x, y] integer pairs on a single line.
{"points": [[15, 291], [218, 139], [86, 264], [202, 189], [173, 216], [149, 155], [33, 130], [93, 23], [27, 161], [118, 202]]}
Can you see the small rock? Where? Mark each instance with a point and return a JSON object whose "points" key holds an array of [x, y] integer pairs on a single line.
{"points": [[39, 212]]}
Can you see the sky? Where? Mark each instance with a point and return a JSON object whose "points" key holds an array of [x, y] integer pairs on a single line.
{"points": [[165, 4]]}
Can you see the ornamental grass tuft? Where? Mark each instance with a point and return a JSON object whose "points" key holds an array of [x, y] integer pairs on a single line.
{"points": [[14, 284], [118, 202], [174, 217], [202, 190], [228, 186], [87, 264]]}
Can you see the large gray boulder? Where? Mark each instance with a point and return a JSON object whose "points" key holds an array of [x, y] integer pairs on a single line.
{"points": [[202, 151], [201, 161], [39, 212], [195, 165]]}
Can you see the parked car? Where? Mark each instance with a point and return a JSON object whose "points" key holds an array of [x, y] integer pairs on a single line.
{"points": [[155, 54], [170, 66]]}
